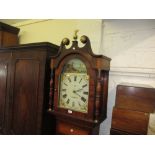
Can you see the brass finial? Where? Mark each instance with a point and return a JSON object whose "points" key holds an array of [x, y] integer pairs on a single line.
{"points": [[83, 39], [75, 35], [65, 41]]}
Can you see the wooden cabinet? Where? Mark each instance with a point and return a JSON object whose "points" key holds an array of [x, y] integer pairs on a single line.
{"points": [[8, 35], [24, 87], [132, 109]]}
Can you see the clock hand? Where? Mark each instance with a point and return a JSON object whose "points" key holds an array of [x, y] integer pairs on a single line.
{"points": [[78, 90], [82, 98], [74, 97], [76, 93]]}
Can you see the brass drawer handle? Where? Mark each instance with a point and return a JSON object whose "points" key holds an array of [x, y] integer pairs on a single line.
{"points": [[71, 130]]}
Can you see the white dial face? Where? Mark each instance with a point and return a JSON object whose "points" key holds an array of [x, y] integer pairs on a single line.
{"points": [[74, 91]]}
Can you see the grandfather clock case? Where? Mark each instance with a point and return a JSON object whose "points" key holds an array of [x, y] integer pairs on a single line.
{"points": [[78, 88]]}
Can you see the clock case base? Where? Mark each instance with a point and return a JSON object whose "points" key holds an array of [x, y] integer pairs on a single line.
{"points": [[73, 125]]}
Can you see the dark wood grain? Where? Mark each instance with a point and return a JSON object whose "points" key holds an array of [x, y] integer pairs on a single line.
{"points": [[135, 98], [8, 35], [133, 122], [70, 129], [3, 79], [9, 39], [119, 132], [25, 97], [4, 85], [132, 109]]}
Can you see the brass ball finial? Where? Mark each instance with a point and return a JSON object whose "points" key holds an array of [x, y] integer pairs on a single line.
{"points": [[65, 41], [83, 39]]}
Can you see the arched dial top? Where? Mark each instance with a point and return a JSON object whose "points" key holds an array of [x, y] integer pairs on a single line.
{"points": [[74, 86]]}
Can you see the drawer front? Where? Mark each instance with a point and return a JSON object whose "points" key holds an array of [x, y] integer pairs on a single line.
{"points": [[70, 129], [130, 121], [135, 98]]}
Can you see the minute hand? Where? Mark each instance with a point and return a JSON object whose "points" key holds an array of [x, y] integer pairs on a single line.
{"points": [[78, 90]]}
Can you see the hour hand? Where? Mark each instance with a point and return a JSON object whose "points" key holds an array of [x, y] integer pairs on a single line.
{"points": [[78, 90], [75, 92], [74, 97]]}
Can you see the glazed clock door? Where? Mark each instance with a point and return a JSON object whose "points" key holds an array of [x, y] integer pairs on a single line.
{"points": [[4, 84], [74, 87]]}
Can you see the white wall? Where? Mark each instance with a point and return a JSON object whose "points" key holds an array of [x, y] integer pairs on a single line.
{"points": [[131, 45]]}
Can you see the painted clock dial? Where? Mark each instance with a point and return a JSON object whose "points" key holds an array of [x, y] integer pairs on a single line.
{"points": [[74, 86]]}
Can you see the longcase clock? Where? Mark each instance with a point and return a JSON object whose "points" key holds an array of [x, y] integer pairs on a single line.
{"points": [[78, 88]]}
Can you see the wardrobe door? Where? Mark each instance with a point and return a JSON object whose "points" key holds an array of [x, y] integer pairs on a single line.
{"points": [[27, 92], [4, 91]]}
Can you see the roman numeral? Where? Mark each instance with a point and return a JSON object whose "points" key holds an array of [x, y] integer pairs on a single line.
{"points": [[80, 80], [86, 93], [84, 85], [73, 104], [83, 99], [65, 84], [69, 79], [68, 101], [79, 104], [64, 96], [75, 77]]}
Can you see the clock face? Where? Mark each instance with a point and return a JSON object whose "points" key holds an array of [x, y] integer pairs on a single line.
{"points": [[74, 87]]}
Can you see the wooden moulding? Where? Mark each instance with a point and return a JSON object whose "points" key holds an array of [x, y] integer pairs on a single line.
{"points": [[9, 28]]}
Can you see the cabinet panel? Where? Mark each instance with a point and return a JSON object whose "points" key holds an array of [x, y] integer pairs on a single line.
{"points": [[25, 97], [4, 84]]}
